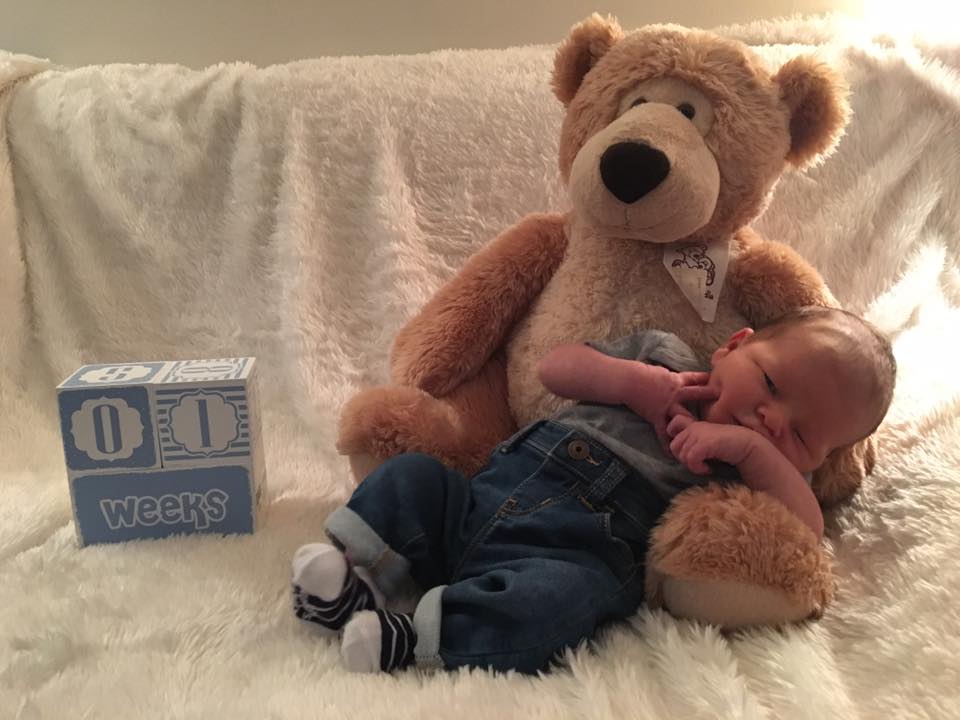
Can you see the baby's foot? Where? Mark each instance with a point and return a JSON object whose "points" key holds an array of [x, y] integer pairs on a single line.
{"points": [[327, 590], [378, 640]]}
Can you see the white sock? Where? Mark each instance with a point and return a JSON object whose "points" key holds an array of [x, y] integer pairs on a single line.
{"points": [[360, 647], [320, 569], [327, 591], [377, 640]]}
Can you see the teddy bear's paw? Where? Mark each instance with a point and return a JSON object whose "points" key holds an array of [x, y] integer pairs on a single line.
{"points": [[389, 420], [731, 604], [382, 422], [732, 557]]}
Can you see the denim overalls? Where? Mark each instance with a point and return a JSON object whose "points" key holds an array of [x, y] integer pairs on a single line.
{"points": [[528, 557]]}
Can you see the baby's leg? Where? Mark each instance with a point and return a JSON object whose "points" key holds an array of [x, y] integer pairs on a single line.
{"points": [[327, 590], [516, 617], [400, 522], [405, 520], [378, 640]]}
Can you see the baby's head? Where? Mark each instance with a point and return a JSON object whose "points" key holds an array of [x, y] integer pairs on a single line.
{"points": [[812, 381]]}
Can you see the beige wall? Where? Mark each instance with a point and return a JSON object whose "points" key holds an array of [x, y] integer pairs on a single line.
{"points": [[200, 32]]}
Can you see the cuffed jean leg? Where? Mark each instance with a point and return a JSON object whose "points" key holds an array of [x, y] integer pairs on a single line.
{"points": [[405, 517], [518, 616]]}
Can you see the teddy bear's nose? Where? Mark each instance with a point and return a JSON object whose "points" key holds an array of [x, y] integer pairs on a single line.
{"points": [[632, 169]]}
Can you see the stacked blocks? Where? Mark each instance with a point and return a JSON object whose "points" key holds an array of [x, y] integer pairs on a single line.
{"points": [[162, 448]]}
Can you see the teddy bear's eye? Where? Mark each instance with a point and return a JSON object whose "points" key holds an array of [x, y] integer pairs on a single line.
{"points": [[638, 101], [687, 109]]}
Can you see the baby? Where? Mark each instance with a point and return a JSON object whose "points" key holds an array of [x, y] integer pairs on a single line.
{"points": [[548, 541]]}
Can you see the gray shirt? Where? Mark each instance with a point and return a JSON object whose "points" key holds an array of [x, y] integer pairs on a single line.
{"points": [[627, 434]]}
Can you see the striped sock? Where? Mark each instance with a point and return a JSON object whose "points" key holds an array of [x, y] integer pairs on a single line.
{"points": [[381, 640], [327, 591], [397, 640]]}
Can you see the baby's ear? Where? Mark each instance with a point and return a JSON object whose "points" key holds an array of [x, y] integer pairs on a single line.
{"points": [[817, 99], [738, 338], [587, 43], [732, 343]]}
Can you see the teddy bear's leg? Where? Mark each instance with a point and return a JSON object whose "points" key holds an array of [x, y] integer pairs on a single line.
{"points": [[460, 429], [732, 557]]}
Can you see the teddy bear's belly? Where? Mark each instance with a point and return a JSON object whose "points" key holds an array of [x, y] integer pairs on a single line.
{"points": [[589, 299]]}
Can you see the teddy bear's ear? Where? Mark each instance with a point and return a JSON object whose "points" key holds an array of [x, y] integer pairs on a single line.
{"points": [[588, 42], [817, 99]]}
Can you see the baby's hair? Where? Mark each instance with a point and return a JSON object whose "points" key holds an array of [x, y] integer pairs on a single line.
{"points": [[878, 367]]}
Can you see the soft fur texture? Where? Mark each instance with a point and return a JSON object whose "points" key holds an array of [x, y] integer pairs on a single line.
{"points": [[810, 91], [716, 166], [303, 213], [696, 525]]}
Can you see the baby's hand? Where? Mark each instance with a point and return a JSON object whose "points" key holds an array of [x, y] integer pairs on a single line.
{"points": [[761, 466], [695, 442], [665, 399]]}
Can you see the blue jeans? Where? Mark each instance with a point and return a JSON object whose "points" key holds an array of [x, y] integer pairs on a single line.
{"points": [[528, 557]]}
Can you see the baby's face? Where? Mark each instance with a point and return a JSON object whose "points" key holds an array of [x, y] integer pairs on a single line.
{"points": [[790, 389]]}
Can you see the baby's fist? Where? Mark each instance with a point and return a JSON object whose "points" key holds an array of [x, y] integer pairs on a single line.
{"points": [[696, 442]]}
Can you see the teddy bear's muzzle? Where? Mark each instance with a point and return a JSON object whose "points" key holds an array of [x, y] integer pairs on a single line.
{"points": [[648, 175]]}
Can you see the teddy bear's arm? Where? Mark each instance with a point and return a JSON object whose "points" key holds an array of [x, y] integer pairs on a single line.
{"points": [[770, 278], [455, 333]]}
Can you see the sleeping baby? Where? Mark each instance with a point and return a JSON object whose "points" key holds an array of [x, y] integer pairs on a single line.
{"points": [[547, 542]]}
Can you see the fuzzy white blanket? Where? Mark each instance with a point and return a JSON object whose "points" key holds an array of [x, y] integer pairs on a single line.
{"points": [[301, 213]]}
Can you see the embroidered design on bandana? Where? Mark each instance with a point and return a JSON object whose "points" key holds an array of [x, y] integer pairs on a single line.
{"points": [[699, 270]]}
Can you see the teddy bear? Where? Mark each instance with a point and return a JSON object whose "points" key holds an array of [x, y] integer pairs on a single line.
{"points": [[671, 144]]}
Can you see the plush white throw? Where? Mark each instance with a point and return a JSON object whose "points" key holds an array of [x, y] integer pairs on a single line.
{"points": [[301, 213]]}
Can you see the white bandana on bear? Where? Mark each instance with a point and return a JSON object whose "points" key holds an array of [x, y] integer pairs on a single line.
{"points": [[699, 270]]}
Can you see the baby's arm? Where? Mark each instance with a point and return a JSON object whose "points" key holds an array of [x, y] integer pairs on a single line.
{"points": [[580, 372], [762, 467], [654, 393]]}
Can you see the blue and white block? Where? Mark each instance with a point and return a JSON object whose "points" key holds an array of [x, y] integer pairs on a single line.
{"points": [[162, 448]]}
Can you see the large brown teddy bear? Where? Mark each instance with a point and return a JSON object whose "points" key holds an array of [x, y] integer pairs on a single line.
{"points": [[670, 136]]}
